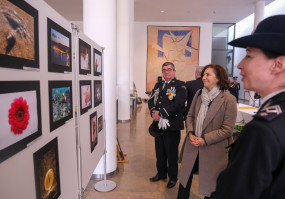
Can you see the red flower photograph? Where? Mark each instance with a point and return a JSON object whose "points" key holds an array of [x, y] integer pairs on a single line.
{"points": [[19, 115]]}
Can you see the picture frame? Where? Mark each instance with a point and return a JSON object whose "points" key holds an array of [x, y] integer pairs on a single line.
{"points": [[85, 96], [97, 92], [84, 58], [100, 123], [21, 50], [59, 48], [177, 44], [46, 170], [93, 131], [20, 116], [60, 103], [97, 62]]}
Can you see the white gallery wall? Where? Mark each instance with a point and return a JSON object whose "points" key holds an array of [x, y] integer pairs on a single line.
{"points": [[17, 173], [140, 49]]}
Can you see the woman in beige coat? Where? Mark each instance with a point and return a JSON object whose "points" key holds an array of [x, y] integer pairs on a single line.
{"points": [[210, 123]]}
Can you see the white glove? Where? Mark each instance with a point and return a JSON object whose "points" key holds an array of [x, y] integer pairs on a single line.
{"points": [[163, 123]]}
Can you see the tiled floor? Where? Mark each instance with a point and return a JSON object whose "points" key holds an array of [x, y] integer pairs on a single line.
{"points": [[133, 177]]}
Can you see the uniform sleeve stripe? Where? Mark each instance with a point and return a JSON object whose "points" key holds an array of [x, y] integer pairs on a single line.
{"points": [[166, 112]]}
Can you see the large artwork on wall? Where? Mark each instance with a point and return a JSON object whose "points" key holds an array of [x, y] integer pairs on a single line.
{"points": [[85, 96], [60, 103], [19, 35], [20, 116], [97, 62], [93, 130], [177, 44], [59, 48], [46, 169], [97, 92], [84, 58]]}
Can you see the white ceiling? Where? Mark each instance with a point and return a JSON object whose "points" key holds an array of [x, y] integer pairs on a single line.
{"points": [[217, 11]]}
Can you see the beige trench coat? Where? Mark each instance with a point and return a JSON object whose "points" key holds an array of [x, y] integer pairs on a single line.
{"points": [[217, 130]]}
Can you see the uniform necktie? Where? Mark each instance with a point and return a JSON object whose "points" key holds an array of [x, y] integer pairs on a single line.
{"points": [[164, 85]]}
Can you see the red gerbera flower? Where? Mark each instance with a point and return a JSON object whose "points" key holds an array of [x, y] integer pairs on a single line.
{"points": [[19, 115]]}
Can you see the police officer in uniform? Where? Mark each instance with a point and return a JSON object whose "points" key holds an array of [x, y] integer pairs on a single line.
{"points": [[256, 168], [235, 87], [166, 106]]}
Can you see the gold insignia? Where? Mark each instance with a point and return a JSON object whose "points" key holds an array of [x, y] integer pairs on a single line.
{"points": [[171, 93]]}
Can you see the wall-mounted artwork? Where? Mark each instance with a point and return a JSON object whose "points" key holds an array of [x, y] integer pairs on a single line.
{"points": [[176, 44], [20, 116], [19, 35], [93, 130], [97, 62], [84, 58], [59, 48], [100, 123], [97, 92], [85, 96], [46, 169], [60, 103]]}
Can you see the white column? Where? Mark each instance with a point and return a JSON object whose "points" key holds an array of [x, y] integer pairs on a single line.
{"points": [[258, 16], [132, 19], [123, 59], [99, 23]]}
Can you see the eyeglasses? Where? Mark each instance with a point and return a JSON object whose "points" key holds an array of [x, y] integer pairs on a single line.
{"points": [[168, 70]]}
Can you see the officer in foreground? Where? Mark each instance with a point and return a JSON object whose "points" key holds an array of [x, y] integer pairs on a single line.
{"points": [[256, 166], [166, 106]]}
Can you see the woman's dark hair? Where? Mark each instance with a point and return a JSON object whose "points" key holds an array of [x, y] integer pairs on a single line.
{"points": [[221, 74]]}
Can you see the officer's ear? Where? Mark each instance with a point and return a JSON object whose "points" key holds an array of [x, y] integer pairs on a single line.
{"points": [[279, 65]]}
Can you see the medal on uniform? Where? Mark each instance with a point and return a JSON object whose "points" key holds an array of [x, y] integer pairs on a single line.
{"points": [[171, 93]]}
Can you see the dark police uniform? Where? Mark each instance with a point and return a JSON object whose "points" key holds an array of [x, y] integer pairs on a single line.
{"points": [[256, 166], [192, 87], [170, 104], [234, 89]]}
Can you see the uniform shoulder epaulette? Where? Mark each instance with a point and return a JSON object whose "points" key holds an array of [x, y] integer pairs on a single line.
{"points": [[271, 112]]}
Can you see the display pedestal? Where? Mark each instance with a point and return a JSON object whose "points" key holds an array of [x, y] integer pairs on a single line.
{"points": [[105, 186]]}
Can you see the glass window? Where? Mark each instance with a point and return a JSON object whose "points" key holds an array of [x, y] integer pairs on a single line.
{"points": [[222, 53]]}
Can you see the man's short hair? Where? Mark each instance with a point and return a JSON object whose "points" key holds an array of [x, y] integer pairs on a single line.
{"points": [[168, 63], [199, 69]]}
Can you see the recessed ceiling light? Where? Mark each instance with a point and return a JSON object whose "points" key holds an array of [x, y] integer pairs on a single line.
{"points": [[162, 11]]}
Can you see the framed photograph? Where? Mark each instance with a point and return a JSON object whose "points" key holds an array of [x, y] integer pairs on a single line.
{"points": [[46, 169], [93, 131], [176, 44], [20, 116], [97, 62], [85, 96], [100, 123], [97, 92], [84, 58], [19, 35], [59, 48], [60, 103]]}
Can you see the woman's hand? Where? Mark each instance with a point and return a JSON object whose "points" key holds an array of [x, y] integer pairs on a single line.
{"points": [[196, 141]]}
